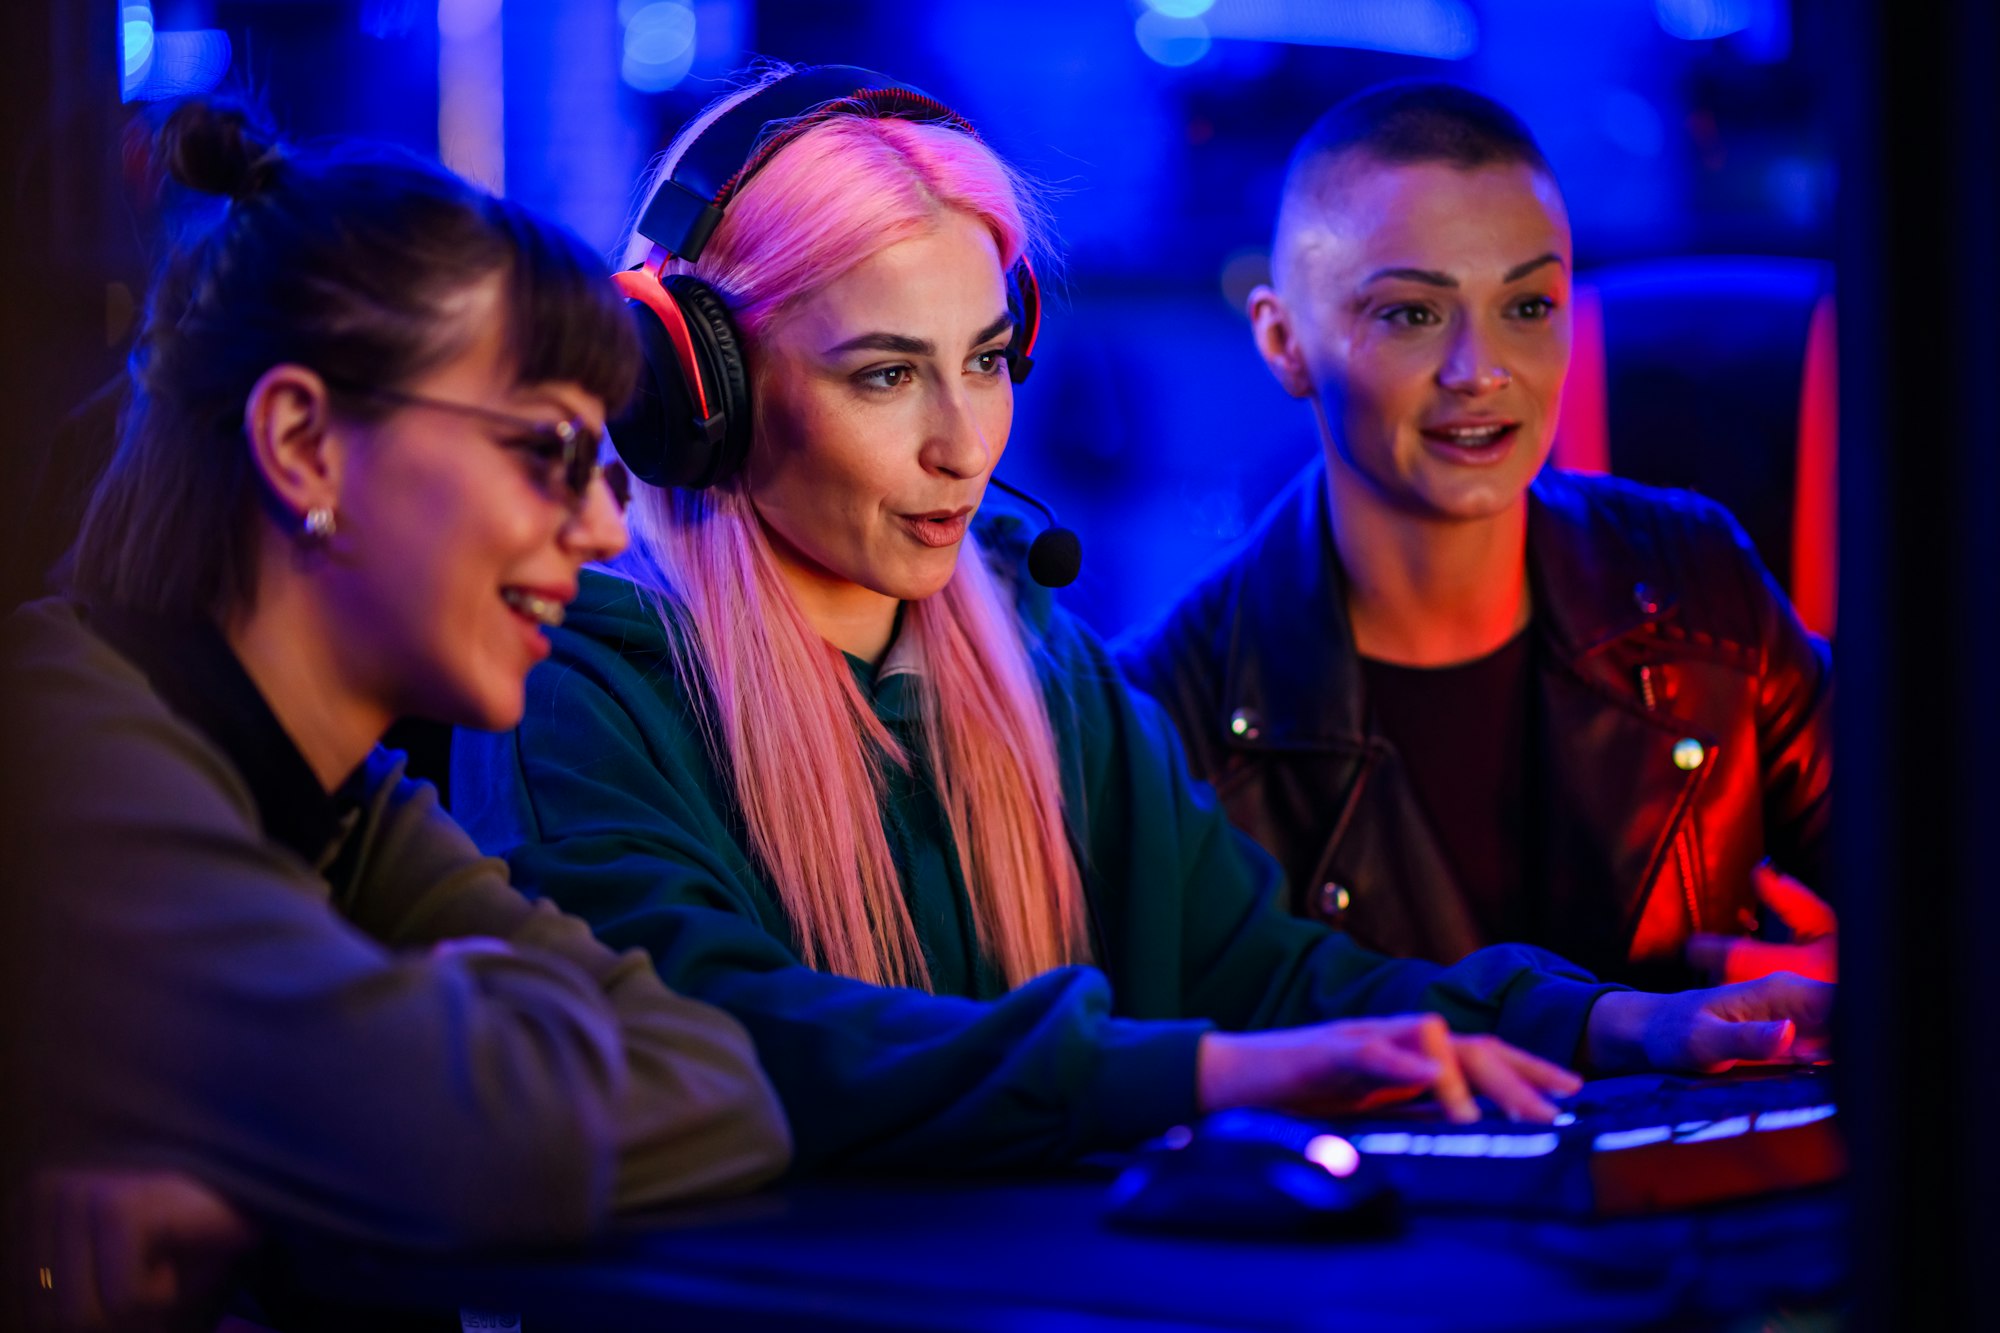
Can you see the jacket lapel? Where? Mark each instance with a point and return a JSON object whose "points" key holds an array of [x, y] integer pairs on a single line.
{"points": [[1293, 696], [1292, 678], [1616, 798]]}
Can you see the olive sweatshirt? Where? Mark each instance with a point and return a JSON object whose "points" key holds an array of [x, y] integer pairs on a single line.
{"points": [[214, 966]]}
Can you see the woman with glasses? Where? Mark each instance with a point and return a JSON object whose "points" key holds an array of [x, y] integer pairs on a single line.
{"points": [[817, 751], [357, 480]]}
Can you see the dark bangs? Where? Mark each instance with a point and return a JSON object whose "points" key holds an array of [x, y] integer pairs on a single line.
{"points": [[566, 319]]}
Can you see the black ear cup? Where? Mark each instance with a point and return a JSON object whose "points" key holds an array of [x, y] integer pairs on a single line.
{"points": [[725, 370], [673, 433], [1024, 303], [644, 432]]}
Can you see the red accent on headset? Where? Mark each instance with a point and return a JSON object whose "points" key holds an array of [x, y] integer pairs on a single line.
{"points": [[1031, 296], [644, 286]]}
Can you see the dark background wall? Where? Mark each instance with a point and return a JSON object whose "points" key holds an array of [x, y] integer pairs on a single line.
{"points": [[1919, 718]]}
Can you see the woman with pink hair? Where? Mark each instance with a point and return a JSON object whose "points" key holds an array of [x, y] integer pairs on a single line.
{"points": [[845, 775]]}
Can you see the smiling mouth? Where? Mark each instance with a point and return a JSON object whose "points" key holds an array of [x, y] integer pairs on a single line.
{"points": [[1482, 436], [533, 605]]}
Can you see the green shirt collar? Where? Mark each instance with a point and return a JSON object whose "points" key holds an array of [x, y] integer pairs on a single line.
{"points": [[892, 687]]}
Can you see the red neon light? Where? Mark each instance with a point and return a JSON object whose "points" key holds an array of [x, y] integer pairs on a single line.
{"points": [[1815, 499], [1583, 422]]}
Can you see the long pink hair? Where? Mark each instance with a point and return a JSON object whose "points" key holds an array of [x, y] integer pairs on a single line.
{"points": [[806, 753]]}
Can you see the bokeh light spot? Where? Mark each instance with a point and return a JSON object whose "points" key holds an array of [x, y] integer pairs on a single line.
{"points": [[1173, 42], [1334, 1153], [1703, 20], [659, 46]]}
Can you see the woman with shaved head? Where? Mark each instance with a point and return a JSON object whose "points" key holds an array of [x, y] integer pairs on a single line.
{"points": [[1463, 697]]}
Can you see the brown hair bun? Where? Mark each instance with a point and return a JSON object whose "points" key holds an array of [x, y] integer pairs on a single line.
{"points": [[217, 147]]}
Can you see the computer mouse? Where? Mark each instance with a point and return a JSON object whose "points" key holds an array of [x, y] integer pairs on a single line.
{"points": [[1252, 1173]]}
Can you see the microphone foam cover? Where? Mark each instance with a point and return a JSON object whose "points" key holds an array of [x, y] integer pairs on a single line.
{"points": [[1055, 558]]}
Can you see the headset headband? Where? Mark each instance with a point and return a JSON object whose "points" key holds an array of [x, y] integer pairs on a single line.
{"points": [[738, 143]]}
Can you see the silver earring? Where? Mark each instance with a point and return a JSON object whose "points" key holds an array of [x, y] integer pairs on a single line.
{"points": [[320, 523]]}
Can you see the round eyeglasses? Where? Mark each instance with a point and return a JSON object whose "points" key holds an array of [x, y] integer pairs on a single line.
{"points": [[564, 453]]}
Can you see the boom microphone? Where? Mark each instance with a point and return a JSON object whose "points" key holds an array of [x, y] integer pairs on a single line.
{"points": [[1057, 553]]}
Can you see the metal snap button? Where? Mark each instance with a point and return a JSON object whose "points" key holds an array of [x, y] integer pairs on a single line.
{"points": [[1245, 724], [1689, 754], [1333, 900]]}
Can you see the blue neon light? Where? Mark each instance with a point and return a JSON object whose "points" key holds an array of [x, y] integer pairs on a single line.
{"points": [[1440, 29], [135, 47], [155, 64], [186, 62]]}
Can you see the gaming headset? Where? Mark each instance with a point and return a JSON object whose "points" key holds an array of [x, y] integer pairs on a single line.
{"points": [[689, 423]]}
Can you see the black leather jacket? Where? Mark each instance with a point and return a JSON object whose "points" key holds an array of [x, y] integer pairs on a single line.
{"points": [[1687, 726]]}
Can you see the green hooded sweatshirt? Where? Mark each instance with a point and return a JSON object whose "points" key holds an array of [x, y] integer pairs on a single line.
{"points": [[608, 800]]}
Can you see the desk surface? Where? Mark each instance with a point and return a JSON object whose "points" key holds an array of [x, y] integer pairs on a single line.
{"points": [[1035, 1255]]}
